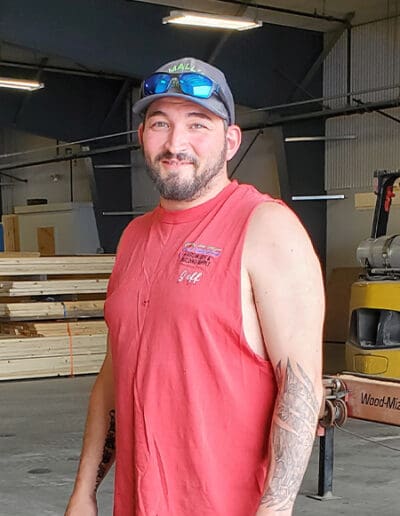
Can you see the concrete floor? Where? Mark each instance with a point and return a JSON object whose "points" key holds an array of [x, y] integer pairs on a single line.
{"points": [[41, 425]]}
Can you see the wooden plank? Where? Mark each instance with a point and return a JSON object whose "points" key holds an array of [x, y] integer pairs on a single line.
{"points": [[50, 329], [19, 254], [42, 347], [93, 264], [46, 241], [52, 310], [11, 232], [55, 287], [18, 369]]}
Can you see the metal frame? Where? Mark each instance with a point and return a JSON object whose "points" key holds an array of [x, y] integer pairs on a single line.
{"points": [[325, 469], [68, 157], [330, 42]]}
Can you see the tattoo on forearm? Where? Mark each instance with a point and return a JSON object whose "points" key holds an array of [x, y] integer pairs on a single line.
{"points": [[292, 436], [108, 451]]}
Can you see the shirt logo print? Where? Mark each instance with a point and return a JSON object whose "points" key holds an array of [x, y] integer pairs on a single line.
{"points": [[198, 254]]}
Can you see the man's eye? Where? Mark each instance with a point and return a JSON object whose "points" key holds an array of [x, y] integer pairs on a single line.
{"points": [[197, 125], [159, 124]]}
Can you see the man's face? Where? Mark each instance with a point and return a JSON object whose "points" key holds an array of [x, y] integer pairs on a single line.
{"points": [[185, 148]]}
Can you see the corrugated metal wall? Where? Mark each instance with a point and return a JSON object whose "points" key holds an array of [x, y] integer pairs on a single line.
{"points": [[375, 63]]}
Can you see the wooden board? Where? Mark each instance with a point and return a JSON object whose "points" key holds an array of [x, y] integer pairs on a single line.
{"points": [[46, 241], [18, 369], [53, 329], [50, 356], [23, 266], [51, 310], [42, 347], [11, 232], [19, 254], [52, 287]]}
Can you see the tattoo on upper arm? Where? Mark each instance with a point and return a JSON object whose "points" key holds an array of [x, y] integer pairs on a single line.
{"points": [[292, 436], [108, 451]]}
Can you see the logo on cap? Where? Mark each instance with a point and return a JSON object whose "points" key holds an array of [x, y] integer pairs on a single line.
{"points": [[183, 67]]}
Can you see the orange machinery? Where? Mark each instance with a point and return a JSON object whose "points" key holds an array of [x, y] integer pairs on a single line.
{"points": [[356, 396]]}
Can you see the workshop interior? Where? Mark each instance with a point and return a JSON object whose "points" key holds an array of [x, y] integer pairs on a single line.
{"points": [[316, 85]]}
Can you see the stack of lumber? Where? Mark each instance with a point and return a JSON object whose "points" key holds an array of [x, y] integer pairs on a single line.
{"points": [[51, 315]]}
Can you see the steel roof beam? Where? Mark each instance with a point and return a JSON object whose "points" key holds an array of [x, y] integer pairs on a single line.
{"points": [[331, 39]]}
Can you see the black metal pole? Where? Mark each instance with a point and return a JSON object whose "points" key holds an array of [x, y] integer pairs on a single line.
{"points": [[325, 471], [325, 478], [67, 157], [71, 180], [349, 99]]}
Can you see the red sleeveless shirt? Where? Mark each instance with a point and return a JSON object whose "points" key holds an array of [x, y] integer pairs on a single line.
{"points": [[193, 401]]}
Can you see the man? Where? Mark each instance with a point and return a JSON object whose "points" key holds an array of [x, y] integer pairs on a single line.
{"points": [[211, 387]]}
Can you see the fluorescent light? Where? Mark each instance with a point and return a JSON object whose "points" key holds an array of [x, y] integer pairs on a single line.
{"points": [[317, 197], [20, 84], [211, 20], [319, 138]]}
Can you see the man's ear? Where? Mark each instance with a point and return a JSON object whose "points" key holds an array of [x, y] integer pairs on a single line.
{"points": [[140, 134], [233, 140]]}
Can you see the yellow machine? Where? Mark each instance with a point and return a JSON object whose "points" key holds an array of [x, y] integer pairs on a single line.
{"points": [[373, 344]]}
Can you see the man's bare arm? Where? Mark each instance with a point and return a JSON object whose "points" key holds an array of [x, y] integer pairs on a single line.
{"points": [[289, 298], [292, 436], [98, 448]]}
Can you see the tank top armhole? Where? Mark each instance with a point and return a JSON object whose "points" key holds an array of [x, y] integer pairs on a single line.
{"points": [[265, 363]]}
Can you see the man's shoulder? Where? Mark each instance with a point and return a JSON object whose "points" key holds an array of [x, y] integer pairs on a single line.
{"points": [[275, 230]]}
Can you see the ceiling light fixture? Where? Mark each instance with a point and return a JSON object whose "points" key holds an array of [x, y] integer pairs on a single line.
{"points": [[320, 138], [213, 21], [317, 197], [20, 84]]}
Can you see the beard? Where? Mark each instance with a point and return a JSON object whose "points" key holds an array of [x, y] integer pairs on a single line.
{"points": [[174, 187]]}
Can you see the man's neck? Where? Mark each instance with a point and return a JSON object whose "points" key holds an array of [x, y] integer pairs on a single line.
{"points": [[218, 184]]}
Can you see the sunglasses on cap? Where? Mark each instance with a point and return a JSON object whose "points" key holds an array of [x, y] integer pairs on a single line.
{"points": [[190, 83]]}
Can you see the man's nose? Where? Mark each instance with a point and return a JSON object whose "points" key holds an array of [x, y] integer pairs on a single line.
{"points": [[177, 140]]}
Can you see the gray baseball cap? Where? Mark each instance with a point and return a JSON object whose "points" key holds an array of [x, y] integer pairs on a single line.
{"points": [[220, 103]]}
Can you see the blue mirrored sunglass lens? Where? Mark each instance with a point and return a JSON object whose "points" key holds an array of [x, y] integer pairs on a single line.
{"points": [[196, 85], [157, 83]]}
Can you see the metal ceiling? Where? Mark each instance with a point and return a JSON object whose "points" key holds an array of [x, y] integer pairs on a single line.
{"points": [[319, 15], [100, 56]]}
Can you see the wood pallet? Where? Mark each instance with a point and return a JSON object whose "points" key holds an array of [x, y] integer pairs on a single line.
{"points": [[57, 327]]}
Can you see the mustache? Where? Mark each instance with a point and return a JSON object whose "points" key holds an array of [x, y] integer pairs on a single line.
{"points": [[180, 156]]}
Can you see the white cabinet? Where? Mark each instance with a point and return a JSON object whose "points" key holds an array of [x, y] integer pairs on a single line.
{"points": [[75, 230]]}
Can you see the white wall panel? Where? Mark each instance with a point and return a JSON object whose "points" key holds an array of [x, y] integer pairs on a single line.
{"points": [[375, 63], [351, 163], [335, 76], [375, 58]]}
